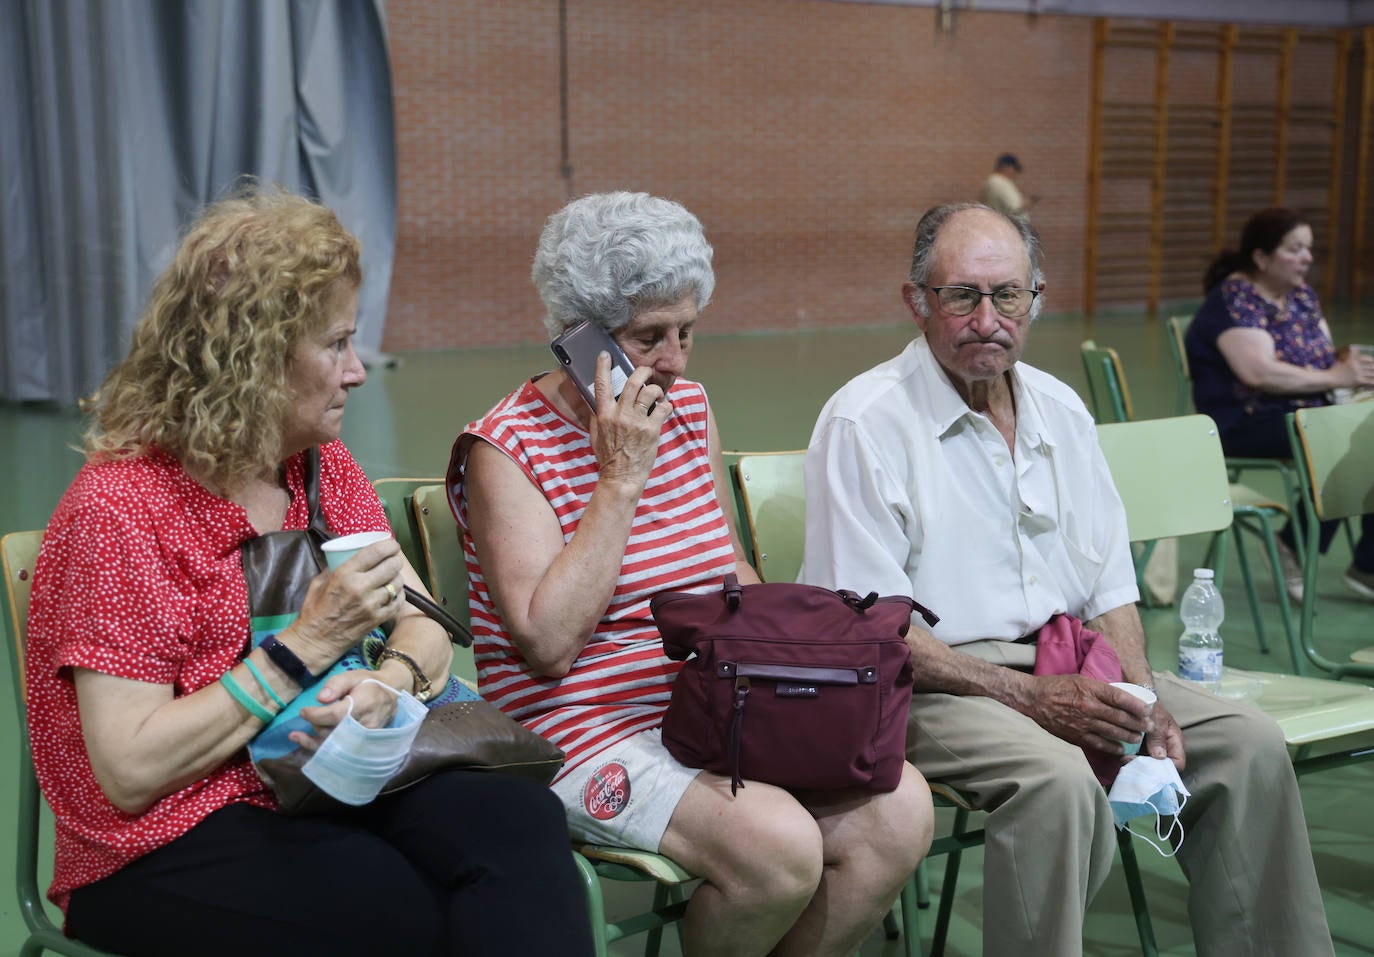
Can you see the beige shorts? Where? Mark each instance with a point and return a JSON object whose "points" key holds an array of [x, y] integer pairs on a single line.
{"points": [[626, 794]]}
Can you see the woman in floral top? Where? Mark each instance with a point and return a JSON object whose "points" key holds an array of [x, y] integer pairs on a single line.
{"points": [[1259, 348]]}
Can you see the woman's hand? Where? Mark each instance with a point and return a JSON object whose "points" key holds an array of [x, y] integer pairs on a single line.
{"points": [[625, 431], [346, 603], [1353, 368], [373, 707]]}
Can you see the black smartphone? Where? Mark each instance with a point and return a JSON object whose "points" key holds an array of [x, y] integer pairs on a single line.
{"points": [[576, 350]]}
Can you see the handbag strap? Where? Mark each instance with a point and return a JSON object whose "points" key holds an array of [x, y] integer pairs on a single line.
{"points": [[458, 633], [734, 595]]}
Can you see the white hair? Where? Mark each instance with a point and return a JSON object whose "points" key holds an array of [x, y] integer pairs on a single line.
{"points": [[606, 256]]}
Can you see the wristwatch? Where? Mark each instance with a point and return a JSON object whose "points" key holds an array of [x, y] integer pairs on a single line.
{"points": [[422, 688], [287, 660]]}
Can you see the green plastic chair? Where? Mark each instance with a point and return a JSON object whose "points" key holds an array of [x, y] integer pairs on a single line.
{"points": [[1254, 512], [1334, 450], [1173, 480], [1175, 327], [1107, 391], [396, 495], [445, 568], [18, 553], [772, 489], [447, 576]]}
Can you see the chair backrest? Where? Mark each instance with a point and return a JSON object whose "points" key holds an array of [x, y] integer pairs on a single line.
{"points": [[772, 493], [445, 566], [1334, 449], [1111, 400], [18, 553], [1170, 474], [396, 495], [1175, 328]]}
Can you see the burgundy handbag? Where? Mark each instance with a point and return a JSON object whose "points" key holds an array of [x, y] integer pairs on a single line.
{"points": [[791, 685]]}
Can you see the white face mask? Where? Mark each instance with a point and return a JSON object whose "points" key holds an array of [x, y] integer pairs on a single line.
{"points": [[354, 762], [1150, 786]]}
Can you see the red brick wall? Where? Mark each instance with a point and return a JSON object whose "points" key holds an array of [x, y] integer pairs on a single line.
{"points": [[808, 136]]}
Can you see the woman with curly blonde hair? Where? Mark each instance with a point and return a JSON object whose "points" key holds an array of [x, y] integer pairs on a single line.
{"points": [[145, 679]]}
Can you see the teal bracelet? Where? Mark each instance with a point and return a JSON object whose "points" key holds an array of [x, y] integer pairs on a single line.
{"points": [[262, 683], [250, 704]]}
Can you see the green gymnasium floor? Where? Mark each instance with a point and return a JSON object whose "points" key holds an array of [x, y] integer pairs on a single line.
{"points": [[766, 391]]}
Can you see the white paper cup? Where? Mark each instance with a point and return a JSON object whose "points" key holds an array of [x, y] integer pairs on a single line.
{"points": [[339, 550], [1145, 695]]}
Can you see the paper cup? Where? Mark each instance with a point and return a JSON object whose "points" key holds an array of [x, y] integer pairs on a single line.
{"points": [[1145, 695], [339, 550]]}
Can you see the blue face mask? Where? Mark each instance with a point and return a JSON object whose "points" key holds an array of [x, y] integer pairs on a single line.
{"points": [[1150, 786], [354, 762]]}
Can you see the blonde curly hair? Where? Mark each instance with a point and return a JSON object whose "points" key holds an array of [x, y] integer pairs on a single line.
{"points": [[207, 377]]}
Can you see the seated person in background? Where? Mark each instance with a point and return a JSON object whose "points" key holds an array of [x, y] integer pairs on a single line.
{"points": [[573, 519], [1259, 348], [960, 476], [139, 644]]}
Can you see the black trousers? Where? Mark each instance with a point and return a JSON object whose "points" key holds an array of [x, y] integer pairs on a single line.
{"points": [[1264, 435], [462, 863]]}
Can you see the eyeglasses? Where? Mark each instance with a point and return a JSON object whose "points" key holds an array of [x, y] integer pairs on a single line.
{"points": [[1011, 302]]}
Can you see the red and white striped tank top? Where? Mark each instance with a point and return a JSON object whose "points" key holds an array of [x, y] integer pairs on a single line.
{"points": [[679, 541]]}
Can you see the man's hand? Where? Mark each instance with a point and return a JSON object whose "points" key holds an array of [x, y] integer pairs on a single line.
{"points": [[1090, 713], [1164, 738]]}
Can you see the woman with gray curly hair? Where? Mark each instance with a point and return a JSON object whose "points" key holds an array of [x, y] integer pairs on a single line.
{"points": [[574, 515], [149, 672]]}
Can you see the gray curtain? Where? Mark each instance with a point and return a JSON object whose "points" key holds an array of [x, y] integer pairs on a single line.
{"points": [[119, 119]]}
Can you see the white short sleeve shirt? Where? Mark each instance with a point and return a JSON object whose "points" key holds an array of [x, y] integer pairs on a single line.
{"points": [[908, 491]]}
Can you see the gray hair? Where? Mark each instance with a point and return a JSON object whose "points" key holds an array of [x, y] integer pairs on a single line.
{"points": [[928, 230], [606, 256]]}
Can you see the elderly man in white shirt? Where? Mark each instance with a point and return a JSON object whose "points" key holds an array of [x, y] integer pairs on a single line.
{"points": [[972, 482]]}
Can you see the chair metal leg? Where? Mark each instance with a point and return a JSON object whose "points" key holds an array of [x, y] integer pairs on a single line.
{"points": [[1144, 929], [1271, 551], [947, 890], [892, 928], [654, 938], [911, 918], [923, 884], [596, 907], [1251, 597]]}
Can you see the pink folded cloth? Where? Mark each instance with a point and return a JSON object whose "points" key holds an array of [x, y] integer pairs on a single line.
{"points": [[1064, 647]]}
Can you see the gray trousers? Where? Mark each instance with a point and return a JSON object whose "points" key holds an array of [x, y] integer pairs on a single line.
{"points": [[1252, 886]]}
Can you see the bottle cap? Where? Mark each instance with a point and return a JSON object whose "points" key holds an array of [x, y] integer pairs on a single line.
{"points": [[1204, 573]]}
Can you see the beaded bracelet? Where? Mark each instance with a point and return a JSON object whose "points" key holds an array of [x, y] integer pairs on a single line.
{"points": [[249, 703], [262, 683]]}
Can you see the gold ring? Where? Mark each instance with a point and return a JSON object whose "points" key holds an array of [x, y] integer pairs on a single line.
{"points": [[390, 592]]}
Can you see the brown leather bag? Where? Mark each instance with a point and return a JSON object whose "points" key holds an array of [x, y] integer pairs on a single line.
{"points": [[473, 735], [791, 685], [460, 729]]}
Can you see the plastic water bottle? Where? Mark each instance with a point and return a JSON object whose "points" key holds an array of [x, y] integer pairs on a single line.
{"points": [[1199, 647]]}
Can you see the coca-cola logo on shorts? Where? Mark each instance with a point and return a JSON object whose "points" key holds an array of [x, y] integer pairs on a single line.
{"points": [[607, 791]]}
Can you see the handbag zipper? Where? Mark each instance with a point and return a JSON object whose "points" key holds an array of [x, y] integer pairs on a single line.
{"points": [[736, 729], [865, 674]]}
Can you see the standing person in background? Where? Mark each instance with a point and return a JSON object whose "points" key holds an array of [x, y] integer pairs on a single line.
{"points": [[1001, 192], [1259, 348]]}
